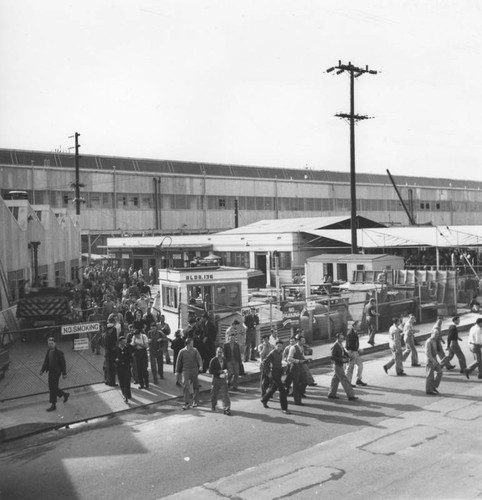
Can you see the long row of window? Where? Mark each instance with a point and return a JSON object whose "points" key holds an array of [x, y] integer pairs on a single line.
{"points": [[241, 259], [134, 201]]}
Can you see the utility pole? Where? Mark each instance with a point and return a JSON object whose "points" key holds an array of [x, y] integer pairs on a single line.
{"points": [[77, 199], [77, 185], [354, 72], [236, 212]]}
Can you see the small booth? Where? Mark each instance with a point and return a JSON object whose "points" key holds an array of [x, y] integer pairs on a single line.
{"points": [[220, 291], [345, 267]]}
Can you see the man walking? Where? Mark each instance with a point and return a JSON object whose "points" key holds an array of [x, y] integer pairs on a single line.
{"points": [[371, 318], [156, 358], [475, 345], [218, 369], [232, 353], [296, 358], [408, 334], [264, 349], [189, 363], [164, 330], [353, 347], [453, 347], [444, 361], [54, 364], [95, 337], [395, 342], [123, 358], [139, 343], [272, 366], [432, 381], [339, 356], [208, 332], [238, 329]]}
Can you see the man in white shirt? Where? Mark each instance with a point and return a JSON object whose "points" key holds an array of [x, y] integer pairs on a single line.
{"points": [[475, 345], [433, 367], [395, 342]]}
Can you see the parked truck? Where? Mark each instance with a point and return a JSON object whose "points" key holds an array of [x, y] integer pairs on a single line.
{"points": [[43, 307]]}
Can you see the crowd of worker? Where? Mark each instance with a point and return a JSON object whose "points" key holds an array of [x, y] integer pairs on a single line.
{"points": [[136, 337]]}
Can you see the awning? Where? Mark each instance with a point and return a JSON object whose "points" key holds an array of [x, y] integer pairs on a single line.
{"points": [[431, 236]]}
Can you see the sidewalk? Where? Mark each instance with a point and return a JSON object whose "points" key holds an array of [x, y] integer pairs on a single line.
{"points": [[27, 416]]}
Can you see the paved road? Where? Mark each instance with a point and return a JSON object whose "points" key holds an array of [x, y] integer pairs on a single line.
{"points": [[395, 442]]}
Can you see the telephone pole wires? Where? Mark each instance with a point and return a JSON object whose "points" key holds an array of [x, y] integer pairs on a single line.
{"points": [[353, 72]]}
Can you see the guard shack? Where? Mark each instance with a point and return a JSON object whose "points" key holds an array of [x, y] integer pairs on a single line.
{"points": [[220, 291], [344, 267]]}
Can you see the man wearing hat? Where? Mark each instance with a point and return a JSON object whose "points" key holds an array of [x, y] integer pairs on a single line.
{"points": [[264, 349], [123, 358]]}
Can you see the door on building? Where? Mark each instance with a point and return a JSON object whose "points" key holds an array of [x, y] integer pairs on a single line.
{"points": [[341, 272], [261, 262], [139, 264], [328, 270]]}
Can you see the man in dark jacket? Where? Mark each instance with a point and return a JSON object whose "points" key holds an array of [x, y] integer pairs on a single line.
{"points": [[209, 333], [219, 370], [232, 353], [54, 364], [273, 368], [352, 346], [176, 345], [251, 321], [453, 347], [123, 358], [339, 356]]}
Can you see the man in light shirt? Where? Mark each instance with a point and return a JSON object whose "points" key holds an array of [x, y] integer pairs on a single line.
{"points": [[296, 358], [433, 367], [395, 342], [475, 345], [189, 363]]}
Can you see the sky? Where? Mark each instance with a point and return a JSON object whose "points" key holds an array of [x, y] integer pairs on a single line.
{"points": [[245, 82]]}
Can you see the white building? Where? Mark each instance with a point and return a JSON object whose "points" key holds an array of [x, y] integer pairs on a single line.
{"points": [[276, 248], [343, 267], [36, 244]]}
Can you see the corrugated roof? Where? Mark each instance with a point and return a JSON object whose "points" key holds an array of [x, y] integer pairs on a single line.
{"points": [[335, 257], [378, 237], [436, 236], [184, 241], [25, 157], [294, 225]]}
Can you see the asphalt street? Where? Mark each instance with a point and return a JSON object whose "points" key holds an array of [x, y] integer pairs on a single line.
{"points": [[394, 442]]}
